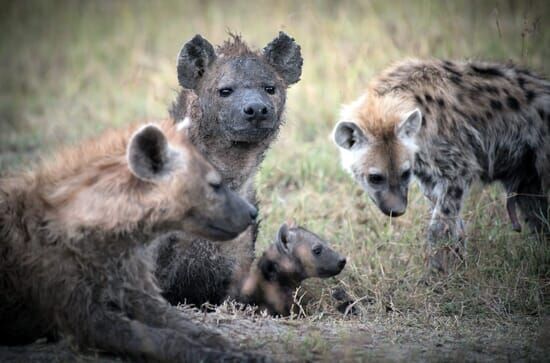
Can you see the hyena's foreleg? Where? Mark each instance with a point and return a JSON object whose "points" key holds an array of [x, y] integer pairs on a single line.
{"points": [[155, 311], [114, 332], [533, 204], [446, 238]]}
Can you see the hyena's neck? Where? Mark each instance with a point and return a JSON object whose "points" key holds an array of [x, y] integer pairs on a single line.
{"points": [[237, 162]]}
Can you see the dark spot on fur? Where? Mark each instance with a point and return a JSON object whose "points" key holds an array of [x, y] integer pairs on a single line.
{"points": [[488, 115], [450, 69], [521, 82], [428, 98], [462, 114], [529, 96], [446, 211], [441, 102], [474, 94], [491, 89], [456, 80], [455, 192], [418, 100], [487, 71], [512, 103], [496, 105]]}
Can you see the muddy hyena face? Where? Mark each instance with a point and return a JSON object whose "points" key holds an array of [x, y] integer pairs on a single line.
{"points": [[189, 192], [381, 159], [242, 93]]}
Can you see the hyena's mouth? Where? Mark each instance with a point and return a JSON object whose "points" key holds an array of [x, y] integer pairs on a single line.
{"points": [[217, 232], [243, 145]]}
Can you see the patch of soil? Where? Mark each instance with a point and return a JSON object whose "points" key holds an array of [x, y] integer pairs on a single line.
{"points": [[389, 338]]}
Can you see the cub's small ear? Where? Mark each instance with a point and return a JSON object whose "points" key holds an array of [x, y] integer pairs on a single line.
{"points": [[348, 135], [285, 55], [410, 125], [283, 238], [148, 153], [291, 223], [193, 60]]}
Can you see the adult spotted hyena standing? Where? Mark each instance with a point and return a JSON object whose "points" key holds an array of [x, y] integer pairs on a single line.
{"points": [[232, 105], [449, 124]]}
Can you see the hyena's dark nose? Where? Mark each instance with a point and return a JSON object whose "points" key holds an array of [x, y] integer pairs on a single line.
{"points": [[342, 263], [255, 111]]}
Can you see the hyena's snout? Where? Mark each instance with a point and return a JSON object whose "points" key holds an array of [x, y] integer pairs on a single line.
{"points": [[239, 212], [256, 111], [392, 203]]}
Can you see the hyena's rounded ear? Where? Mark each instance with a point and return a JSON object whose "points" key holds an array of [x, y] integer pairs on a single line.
{"points": [[193, 60], [410, 125], [283, 238], [148, 153], [285, 55], [348, 135]]}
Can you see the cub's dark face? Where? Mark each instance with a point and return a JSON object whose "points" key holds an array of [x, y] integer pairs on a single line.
{"points": [[311, 256], [241, 93]]}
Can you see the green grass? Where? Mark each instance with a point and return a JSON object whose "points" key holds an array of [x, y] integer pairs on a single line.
{"points": [[70, 69]]}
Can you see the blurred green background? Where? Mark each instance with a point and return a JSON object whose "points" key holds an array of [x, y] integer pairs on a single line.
{"points": [[70, 69]]}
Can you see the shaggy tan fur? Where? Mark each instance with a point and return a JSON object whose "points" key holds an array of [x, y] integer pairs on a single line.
{"points": [[71, 237]]}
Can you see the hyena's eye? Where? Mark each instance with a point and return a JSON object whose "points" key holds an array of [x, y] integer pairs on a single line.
{"points": [[376, 179], [270, 90], [317, 250], [225, 92], [216, 186], [406, 175]]}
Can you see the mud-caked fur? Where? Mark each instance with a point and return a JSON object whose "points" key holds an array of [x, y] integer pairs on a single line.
{"points": [[450, 124], [296, 255], [72, 236], [231, 105]]}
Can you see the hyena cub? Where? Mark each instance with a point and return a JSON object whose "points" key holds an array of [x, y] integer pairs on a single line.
{"points": [[450, 124], [71, 243], [296, 255]]}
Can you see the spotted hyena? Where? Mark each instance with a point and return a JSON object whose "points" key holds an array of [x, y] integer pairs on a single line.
{"points": [[72, 233], [450, 124], [231, 105], [296, 255]]}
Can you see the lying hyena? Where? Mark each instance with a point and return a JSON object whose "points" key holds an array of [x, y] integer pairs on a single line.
{"points": [[450, 124], [71, 237], [296, 255], [231, 106]]}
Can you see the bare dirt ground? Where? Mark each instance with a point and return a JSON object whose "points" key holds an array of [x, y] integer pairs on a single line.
{"points": [[388, 338]]}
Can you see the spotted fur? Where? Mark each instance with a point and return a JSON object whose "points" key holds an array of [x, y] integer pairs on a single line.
{"points": [[479, 121]]}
